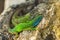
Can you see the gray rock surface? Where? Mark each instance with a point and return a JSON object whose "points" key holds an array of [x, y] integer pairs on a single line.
{"points": [[48, 28]]}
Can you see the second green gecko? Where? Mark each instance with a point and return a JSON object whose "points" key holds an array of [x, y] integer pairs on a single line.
{"points": [[22, 18], [27, 25]]}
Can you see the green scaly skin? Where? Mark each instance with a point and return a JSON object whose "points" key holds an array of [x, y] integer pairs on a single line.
{"points": [[24, 26], [20, 19]]}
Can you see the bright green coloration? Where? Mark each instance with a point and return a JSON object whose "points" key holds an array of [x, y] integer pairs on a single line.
{"points": [[24, 26], [20, 19]]}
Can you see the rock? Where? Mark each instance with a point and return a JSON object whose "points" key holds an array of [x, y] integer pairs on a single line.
{"points": [[48, 28], [51, 31], [43, 31], [0, 38]]}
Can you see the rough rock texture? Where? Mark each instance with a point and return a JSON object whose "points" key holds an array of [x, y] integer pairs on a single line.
{"points": [[51, 27], [43, 29], [48, 28]]}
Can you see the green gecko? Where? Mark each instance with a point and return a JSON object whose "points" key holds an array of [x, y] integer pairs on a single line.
{"points": [[20, 19], [26, 26]]}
